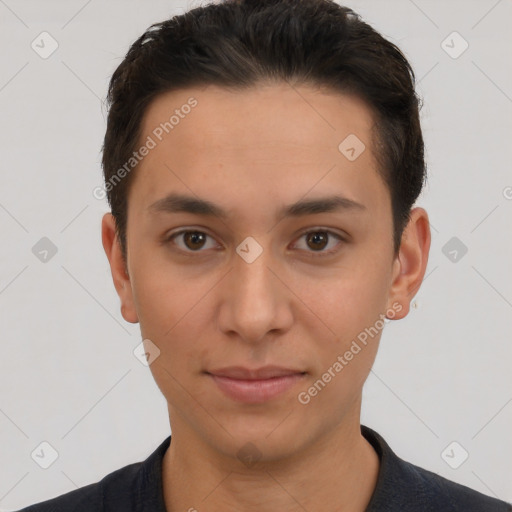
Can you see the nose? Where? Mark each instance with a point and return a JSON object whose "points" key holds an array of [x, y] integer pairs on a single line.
{"points": [[255, 302]]}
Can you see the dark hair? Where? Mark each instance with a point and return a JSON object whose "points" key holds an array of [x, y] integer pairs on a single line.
{"points": [[240, 43]]}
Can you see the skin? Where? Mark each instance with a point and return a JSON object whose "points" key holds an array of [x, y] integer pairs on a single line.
{"points": [[204, 307]]}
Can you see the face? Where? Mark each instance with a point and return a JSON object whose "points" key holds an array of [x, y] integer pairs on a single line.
{"points": [[289, 264]]}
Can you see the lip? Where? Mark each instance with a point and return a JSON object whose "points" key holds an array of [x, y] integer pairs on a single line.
{"points": [[265, 372], [256, 385]]}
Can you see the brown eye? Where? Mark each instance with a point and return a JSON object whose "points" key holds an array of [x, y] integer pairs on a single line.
{"points": [[194, 239], [191, 241], [317, 240]]}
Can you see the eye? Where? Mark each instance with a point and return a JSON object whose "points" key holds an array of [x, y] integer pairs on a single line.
{"points": [[192, 240], [319, 239]]}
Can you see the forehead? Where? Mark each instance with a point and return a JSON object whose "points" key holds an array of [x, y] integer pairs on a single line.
{"points": [[309, 116], [272, 140]]}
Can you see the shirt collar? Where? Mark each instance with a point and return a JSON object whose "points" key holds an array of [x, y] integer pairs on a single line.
{"points": [[398, 482]]}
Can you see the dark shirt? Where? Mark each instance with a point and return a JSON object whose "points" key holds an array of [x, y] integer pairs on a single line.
{"points": [[401, 487]]}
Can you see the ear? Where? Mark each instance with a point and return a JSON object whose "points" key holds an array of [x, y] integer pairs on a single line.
{"points": [[118, 267], [410, 265]]}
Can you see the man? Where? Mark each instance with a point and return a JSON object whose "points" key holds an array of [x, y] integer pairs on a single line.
{"points": [[262, 160]]}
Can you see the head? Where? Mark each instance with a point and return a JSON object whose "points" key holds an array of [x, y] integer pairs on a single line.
{"points": [[263, 114]]}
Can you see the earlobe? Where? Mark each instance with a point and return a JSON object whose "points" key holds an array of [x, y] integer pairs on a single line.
{"points": [[410, 265], [118, 268]]}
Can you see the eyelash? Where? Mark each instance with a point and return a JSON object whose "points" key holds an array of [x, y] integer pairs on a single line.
{"points": [[313, 254]]}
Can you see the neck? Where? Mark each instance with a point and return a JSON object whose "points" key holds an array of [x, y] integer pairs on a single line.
{"points": [[338, 471]]}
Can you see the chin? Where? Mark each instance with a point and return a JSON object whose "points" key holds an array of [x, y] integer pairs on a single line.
{"points": [[267, 439]]}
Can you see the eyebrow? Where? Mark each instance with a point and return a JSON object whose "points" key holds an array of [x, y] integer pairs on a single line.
{"points": [[176, 203]]}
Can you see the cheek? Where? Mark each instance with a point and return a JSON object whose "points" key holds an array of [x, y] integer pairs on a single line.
{"points": [[164, 295], [174, 310], [173, 322], [345, 302], [351, 305], [352, 309]]}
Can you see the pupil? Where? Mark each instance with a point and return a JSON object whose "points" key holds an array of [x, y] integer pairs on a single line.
{"points": [[318, 237], [195, 237]]}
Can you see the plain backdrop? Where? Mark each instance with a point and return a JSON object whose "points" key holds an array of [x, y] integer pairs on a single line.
{"points": [[68, 373]]}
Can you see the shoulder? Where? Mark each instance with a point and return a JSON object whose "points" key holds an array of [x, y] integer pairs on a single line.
{"points": [[125, 489], [445, 495], [402, 485], [91, 498]]}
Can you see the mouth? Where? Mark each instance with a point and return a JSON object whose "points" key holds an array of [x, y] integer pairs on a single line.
{"points": [[255, 385]]}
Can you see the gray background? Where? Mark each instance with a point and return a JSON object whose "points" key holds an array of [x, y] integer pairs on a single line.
{"points": [[68, 373]]}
